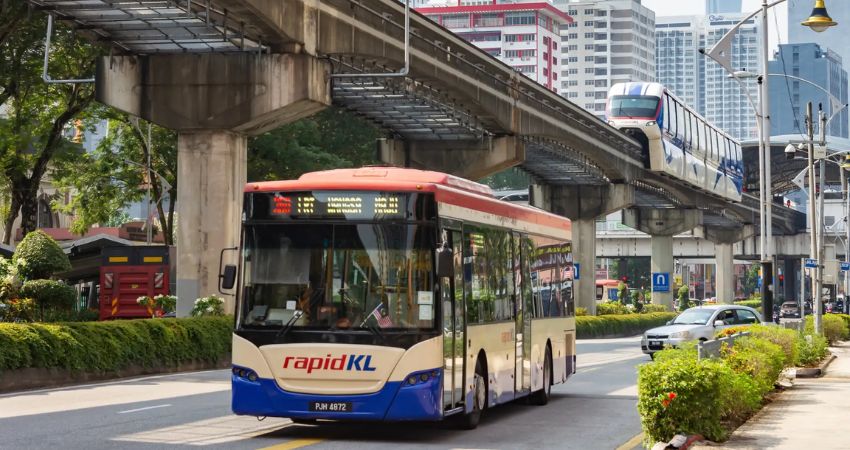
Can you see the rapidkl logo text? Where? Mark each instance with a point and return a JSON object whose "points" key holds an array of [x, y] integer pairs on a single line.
{"points": [[353, 362]]}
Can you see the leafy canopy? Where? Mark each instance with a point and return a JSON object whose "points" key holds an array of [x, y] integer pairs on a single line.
{"points": [[39, 256]]}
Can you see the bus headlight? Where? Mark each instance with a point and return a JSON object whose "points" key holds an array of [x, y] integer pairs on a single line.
{"points": [[651, 123], [611, 122]]}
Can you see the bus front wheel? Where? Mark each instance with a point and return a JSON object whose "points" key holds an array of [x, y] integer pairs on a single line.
{"points": [[470, 420], [541, 397]]}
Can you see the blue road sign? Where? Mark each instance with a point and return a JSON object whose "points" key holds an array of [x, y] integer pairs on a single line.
{"points": [[661, 282], [845, 266], [811, 263], [576, 271]]}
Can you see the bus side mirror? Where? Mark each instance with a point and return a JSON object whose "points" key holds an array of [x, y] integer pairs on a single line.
{"points": [[445, 263], [228, 277]]}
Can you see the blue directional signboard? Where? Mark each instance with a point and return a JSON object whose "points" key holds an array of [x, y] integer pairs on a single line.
{"points": [[845, 266], [576, 271], [811, 263], [661, 281]]}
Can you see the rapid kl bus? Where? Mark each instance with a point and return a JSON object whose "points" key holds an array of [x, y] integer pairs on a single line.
{"points": [[397, 294]]}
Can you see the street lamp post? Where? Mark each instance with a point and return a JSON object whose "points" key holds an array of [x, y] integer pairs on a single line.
{"points": [[721, 53]]}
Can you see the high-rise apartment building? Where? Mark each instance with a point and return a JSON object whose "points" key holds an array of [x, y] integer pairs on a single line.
{"points": [[788, 97], [722, 6], [523, 35], [726, 105], [678, 63], [703, 83], [609, 41]]}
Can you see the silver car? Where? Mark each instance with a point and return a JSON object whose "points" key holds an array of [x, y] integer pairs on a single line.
{"points": [[699, 323]]}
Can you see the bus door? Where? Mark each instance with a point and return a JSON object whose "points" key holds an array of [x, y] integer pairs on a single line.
{"points": [[454, 350], [524, 311]]}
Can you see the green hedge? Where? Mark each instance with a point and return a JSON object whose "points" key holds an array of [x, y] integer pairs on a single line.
{"points": [[751, 303], [619, 325], [112, 346], [679, 394]]}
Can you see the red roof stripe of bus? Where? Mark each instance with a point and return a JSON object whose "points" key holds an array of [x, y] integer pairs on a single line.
{"points": [[496, 8], [386, 178], [501, 208], [447, 188]]}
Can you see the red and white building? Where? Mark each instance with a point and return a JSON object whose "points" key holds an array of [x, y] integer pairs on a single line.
{"points": [[523, 35]]}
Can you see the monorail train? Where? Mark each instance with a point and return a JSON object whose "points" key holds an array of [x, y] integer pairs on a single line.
{"points": [[677, 141]]}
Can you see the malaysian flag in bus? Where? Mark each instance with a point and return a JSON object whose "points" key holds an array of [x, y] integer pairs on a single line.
{"points": [[381, 316]]}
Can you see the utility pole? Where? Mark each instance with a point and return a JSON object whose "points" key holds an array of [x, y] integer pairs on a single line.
{"points": [[813, 227]]}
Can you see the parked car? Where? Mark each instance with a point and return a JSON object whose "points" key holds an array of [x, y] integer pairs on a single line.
{"points": [[699, 323], [789, 309]]}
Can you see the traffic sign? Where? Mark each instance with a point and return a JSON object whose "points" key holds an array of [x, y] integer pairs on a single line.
{"points": [[576, 271], [660, 281], [811, 263], [845, 266]]}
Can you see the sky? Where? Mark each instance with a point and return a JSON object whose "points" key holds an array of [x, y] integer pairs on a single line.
{"points": [[688, 7]]}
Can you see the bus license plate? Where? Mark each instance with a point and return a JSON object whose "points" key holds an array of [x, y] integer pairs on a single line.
{"points": [[330, 406]]}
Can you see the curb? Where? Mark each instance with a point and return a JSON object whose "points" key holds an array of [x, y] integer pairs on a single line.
{"points": [[814, 372]]}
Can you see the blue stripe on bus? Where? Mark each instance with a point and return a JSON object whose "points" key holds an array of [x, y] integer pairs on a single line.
{"points": [[635, 89], [394, 402]]}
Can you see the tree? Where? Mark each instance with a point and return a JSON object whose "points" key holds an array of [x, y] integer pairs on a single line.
{"points": [[39, 256], [115, 174], [37, 113], [684, 298], [333, 138]]}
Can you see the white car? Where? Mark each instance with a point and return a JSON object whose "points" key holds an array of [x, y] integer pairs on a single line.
{"points": [[699, 323]]}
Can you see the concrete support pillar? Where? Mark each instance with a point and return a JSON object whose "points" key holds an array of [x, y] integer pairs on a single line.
{"points": [[662, 225], [724, 273], [467, 159], [662, 261], [584, 251], [211, 168], [790, 269]]}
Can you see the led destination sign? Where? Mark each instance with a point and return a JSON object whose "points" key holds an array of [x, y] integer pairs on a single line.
{"points": [[350, 205]]}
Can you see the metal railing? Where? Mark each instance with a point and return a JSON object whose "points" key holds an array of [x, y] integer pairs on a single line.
{"points": [[711, 349]]}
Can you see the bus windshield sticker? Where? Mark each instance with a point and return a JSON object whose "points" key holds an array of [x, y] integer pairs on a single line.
{"points": [[425, 312], [424, 298]]}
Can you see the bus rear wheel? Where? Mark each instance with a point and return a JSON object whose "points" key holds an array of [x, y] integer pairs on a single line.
{"points": [[541, 397], [470, 420]]}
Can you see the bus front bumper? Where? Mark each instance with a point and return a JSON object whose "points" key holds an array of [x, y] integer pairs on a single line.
{"points": [[396, 401]]}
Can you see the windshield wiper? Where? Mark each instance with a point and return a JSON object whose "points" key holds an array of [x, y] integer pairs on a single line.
{"points": [[289, 323]]}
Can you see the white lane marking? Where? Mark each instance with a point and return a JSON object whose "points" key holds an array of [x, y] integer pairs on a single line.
{"points": [[218, 430], [144, 409]]}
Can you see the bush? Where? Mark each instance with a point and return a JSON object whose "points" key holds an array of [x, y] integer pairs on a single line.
{"points": [[607, 308], [653, 308], [208, 306], [49, 294], [759, 358], [17, 310], [38, 256], [811, 349], [751, 303], [682, 395], [581, 311], [112, 346], [618, 325], [834, 328]]}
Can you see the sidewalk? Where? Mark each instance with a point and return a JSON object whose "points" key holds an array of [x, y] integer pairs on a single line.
{"points": [[812, 414]]}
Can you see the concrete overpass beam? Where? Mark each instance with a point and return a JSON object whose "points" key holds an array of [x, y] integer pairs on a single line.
{"points": [[662, 224], [240, 92], [468, 159], [583, 205], [211, 167]]}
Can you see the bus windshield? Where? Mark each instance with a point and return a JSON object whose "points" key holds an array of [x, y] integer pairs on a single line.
{"points": [[338, 276], [643, 106]]}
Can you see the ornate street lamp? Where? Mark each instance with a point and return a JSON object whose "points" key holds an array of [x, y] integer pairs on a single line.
{"points": [[819, 21]]}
